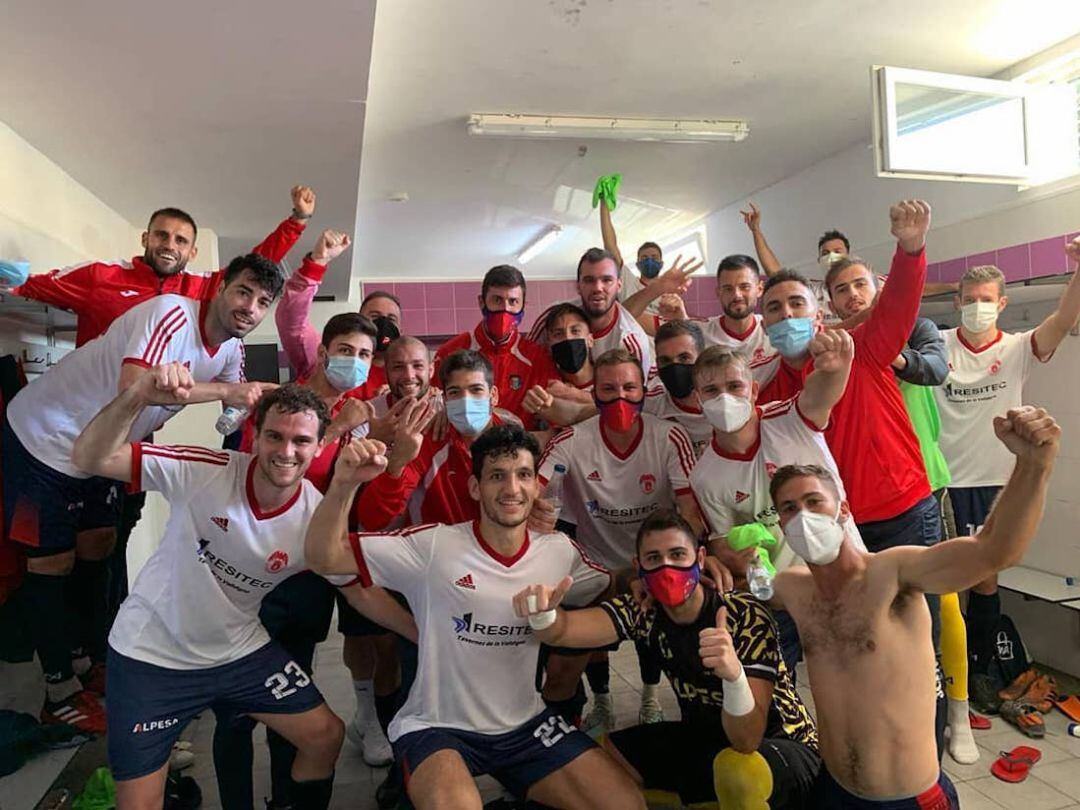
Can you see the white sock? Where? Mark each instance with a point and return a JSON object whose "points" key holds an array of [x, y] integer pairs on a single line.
{"points": [[55, 692], [650, 691], [81, 665], [365, 701], [962, 745]]}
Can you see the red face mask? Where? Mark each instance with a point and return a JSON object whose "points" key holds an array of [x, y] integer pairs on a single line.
{"points": [[619, 414], [670, 585], [500, 324]]}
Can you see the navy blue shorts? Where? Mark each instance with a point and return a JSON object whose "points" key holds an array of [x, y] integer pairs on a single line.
{"points": [[939, 796], [45, 509], [151, 704], [971, 507], [518, 759]]}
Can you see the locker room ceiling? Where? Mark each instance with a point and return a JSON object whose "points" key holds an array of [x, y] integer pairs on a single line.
{"points": [[220, 108]]}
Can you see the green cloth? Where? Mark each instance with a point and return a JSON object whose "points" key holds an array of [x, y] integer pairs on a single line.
{"points": [[923, 412], [749, 534], [99, 793], [607, 189]]}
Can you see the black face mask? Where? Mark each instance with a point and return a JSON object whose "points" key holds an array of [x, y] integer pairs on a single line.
{"points": [[570, 355], [388, 333], [678, 379]]}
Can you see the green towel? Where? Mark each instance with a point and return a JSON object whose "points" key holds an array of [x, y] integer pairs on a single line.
{"points": [[607, 188], [748, 535], [99, 793]]}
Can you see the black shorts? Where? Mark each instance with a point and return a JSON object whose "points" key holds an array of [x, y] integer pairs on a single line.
{"points": [[297, 612], [971, 507], [156, 703], [45, 509], [828, 793], [351, 622], [518, 759], [678, 757]]}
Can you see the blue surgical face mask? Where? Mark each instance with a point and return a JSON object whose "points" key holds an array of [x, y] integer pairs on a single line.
{"points": [[469, 415], [346, 373], [649, 267], [791, 336]]}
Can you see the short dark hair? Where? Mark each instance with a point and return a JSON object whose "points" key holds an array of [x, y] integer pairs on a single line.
{"points": [[617, 357], [174, 213], [672, 329], [465, 360], [502, 275], [559, 310], [782, 275], [292, 398], [502, 440], [792, 471], [829, 236], [594, 255], [841, 264], [348, 323], [653, 245], [662, 520], [371, 296], [264, 272], [737, 261]]}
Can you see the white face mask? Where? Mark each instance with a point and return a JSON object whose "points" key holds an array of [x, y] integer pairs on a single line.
{"points": [[727, 412], [979, 316], [826, 260], [815, 537]]}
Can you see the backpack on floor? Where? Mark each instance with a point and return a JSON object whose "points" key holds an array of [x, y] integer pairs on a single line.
{"points": [[1010, 656]]}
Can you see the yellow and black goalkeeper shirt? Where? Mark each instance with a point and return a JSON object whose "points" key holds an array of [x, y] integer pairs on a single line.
{"points": [[699, 690]]}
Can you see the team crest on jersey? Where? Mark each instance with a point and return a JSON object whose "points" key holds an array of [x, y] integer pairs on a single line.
{"points": [[593, 476], [995, 367], [648, 483], [759, 354], [742, 496], [276, 561], [515, 382], [770, 469], [592, 507], [221, 522]]}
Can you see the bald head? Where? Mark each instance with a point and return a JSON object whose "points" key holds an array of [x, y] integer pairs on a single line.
{"points": [[408, 367]]}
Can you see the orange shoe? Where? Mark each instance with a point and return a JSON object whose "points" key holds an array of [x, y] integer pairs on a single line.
{"points": [[1022, 682], [83, 711]]}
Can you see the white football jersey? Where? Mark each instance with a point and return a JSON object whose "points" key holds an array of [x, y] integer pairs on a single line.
{"points": [[50, 413], [753, 344], [195, 604], [982, 384], [607, 494], [623, 331], [478, 660], [659, 402], [733, 489]]}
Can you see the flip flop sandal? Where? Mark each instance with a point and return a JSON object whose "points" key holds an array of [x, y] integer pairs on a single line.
{"points": [[1069, 705], [1014, 766], [1025, 717], [977, 721], [1019, 686], [1041, 693]]}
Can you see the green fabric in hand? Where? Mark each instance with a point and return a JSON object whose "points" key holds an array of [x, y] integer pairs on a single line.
{"points": [[99, 793], [607, 189], [749, 535]]}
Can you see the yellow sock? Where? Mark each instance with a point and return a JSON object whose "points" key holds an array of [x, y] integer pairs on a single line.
{"points": [[742, 781], [954, 659]]}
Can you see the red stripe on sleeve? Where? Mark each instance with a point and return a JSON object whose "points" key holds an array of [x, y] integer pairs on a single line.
{"points": [[358, 555]]}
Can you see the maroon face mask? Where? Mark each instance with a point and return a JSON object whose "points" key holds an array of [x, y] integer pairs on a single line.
{"points": [[619, 414]]}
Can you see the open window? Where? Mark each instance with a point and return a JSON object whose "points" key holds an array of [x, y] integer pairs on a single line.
{"points": [[941, 126]]}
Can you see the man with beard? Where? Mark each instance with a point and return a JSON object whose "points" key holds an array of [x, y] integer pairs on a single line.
{"points": [[50, 504], [189, 636], [100, 292], [678, 344], [471, 710]]}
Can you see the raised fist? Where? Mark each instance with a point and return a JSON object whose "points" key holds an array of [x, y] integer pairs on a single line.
{"points": [[329, 246], [910, 221], [303, 202], [1030, 433], [832, 350]]}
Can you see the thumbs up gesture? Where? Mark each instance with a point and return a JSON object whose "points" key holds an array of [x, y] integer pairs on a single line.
{"points": [[717, 650]]}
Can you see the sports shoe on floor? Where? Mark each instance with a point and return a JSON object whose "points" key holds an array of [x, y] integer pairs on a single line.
{"points": [[374, 747], [93, 680], [650, 711], [983, 694], [601, 718], [83, 711]]}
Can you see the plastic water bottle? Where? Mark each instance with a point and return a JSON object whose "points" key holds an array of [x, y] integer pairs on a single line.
{"points": [[230, 420], [553, 493], [760, 578]]}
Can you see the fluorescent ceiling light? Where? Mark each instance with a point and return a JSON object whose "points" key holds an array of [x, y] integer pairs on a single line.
{"points": [[613, 129], [542, 243]]}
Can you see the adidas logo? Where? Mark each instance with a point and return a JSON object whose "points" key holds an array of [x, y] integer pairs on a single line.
{"points": [[466, 582], [740, 496], [221, 523], [594, 476]]}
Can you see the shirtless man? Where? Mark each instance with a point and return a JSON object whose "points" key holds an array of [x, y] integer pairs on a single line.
{"points": [[866, 628]]}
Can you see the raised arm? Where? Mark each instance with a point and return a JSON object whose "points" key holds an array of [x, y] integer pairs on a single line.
{"points": [[924, 360], [607, 233], [673, 281], [769, 263], [1050, 333], [1032, 435], [326, 545], [576, 629], [103, 447], [282, 239], [832, 352]]}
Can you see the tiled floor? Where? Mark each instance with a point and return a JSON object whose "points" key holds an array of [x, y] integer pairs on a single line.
{"points": [[1054, 783]]}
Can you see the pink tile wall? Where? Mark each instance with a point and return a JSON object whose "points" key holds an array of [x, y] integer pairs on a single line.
{"points": [[441, 308]]}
